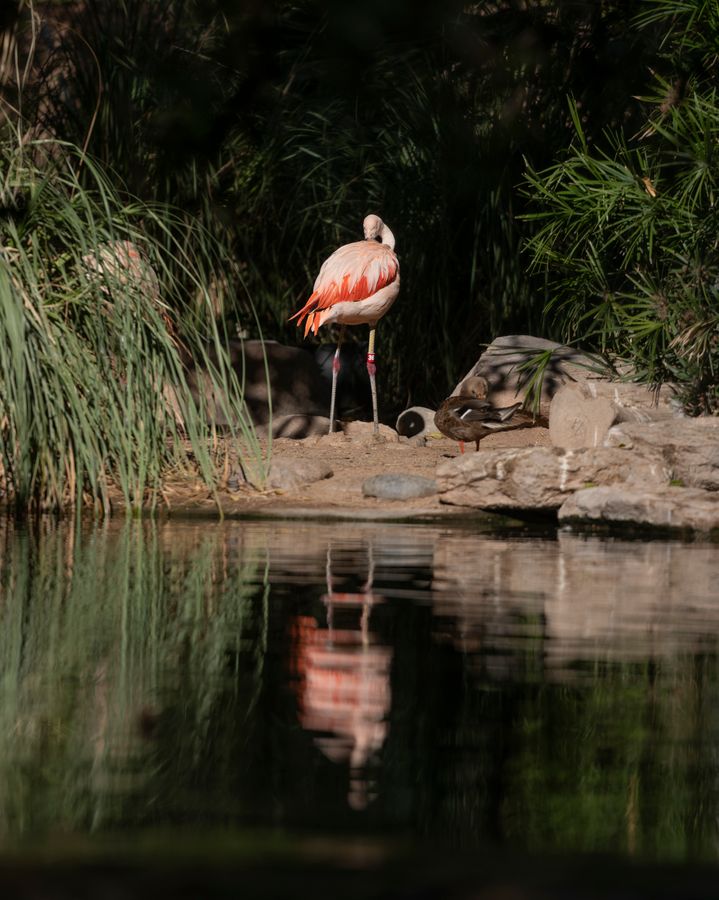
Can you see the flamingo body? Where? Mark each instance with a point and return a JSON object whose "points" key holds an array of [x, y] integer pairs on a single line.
{"points": [[356, 285]]}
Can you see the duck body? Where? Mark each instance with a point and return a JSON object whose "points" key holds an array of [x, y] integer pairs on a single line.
{"points": [[470, 416]]}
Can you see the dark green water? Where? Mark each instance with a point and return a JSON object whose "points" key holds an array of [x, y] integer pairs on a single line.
{"points": [[408, 685]]}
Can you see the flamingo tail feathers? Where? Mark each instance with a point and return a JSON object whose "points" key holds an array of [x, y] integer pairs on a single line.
{"points": [[308, 315], [311, 314]]}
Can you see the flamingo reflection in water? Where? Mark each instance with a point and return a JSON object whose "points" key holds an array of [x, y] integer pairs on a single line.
{"points": [[343, 681]]}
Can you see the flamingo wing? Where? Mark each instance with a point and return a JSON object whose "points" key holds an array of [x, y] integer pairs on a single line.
{"points": [[353, 272]]}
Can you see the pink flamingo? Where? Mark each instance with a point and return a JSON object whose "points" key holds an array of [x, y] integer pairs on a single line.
{"points": [[355, 286]]}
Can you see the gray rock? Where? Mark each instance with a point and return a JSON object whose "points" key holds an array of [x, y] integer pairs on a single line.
{"points": [[664, 507], [391, 486], [689, 446], [581, 413], [542, 477], [290, 474]]}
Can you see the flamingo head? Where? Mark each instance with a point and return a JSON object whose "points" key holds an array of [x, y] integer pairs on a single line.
{"points": [[376, 230], [373, 227]]}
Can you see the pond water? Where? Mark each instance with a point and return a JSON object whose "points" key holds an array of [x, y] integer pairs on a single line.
{"points": [[435, 686]]}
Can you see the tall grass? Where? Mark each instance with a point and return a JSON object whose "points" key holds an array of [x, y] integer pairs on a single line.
{"points": [[94, 400]]}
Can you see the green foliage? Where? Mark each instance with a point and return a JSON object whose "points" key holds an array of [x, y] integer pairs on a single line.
{"points": [[627, 235], [93, 395], [431, 137], [282, 126]]}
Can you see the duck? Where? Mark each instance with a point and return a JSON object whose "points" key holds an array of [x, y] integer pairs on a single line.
{"points": [[469, 415]]}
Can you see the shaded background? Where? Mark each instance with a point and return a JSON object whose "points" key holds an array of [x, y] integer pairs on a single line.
{"points": [[281, 125]]}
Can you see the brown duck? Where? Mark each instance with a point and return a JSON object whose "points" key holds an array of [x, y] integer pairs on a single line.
{"points": [[469, 416]]}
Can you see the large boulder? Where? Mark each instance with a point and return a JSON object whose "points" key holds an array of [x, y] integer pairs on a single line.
{"points": [[690, 447], [663, 507], [582, 412], [542, 478], [503, 361]]}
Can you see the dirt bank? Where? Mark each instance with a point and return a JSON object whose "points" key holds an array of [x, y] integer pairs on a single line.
{"points": [[351, 463]]}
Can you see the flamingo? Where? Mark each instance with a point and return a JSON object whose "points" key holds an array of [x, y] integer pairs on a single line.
{"points": [[356, 285]]}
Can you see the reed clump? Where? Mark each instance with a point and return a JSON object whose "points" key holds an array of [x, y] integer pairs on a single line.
{"points": [[102, 300]]}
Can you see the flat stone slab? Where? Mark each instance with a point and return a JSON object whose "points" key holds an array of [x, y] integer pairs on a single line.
{"points": [[391, 486], [663, 507], [689, 446], [542, 478]]}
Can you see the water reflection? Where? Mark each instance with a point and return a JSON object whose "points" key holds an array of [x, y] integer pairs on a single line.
{"points": [[551, 693], [580, 598], [342, 673]]}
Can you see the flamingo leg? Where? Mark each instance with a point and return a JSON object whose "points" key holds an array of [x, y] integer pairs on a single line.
{"points": [[371, 371], [335, 373]]}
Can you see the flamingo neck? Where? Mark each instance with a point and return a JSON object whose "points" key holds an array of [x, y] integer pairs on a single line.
{"points": [[387, 237]]}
